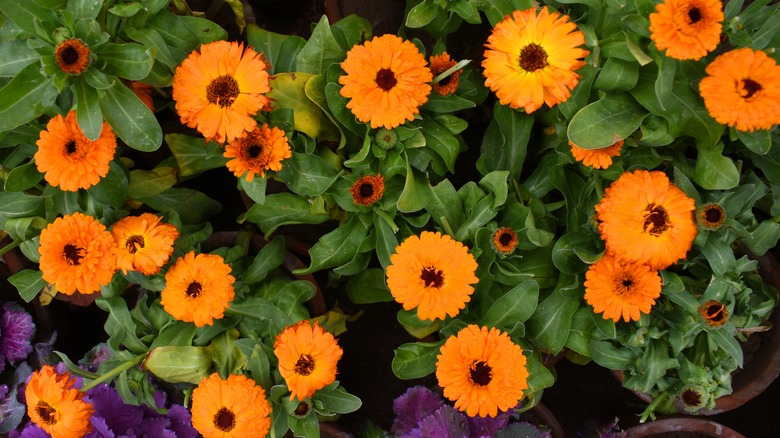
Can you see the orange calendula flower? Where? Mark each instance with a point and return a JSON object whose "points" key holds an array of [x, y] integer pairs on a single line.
{"points": [[596, 158], [433, 273], [644, 218], [440, 64], [742, 89], [198, 288], [77, 254], [531, 60], [504, 240], [56, 405], [368, 189], [262, 149], [69, 159], [482, 371], [710, 216], [72, 56], [715, 313], [386, 81], [687, 29], [220, 88], [621, 289], [308, 356], [234, 407], [143, 91], [144, 244]]}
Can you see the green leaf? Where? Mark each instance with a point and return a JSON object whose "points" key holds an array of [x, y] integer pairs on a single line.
{"points": [[131, 119], [176, 32], [206, 30], [337, 247], [715, 171], [85, 8], [19, 204], [280, 50], [228, 358], [88, 113], [128, 61], [759, 142], [763, 238], [255, 189], [195, 155], [516, 305], [28, 15], [368, 286], [386, 240], [23, 177], [769, 30], [153, 40], [337, 400], [260, 367], [15, 55], [445, 206], [120, 325], [269, 258], [288, 90], [442, 142], [260, 309], [610, 356], [28, 282], [422, 14], [728, 343], [307, 174], [192, 206], [548, 327], [617, 75], [284, 209], [146, 183], [581, 332], [446, 104], [320, 51], [126, 10], [111, 189], [414, 196], [505, 141], [606, 121], [415, 360], [25, 97]]}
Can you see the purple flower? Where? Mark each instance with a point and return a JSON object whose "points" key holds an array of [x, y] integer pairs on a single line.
{"points": [[445, 422], [119, 417], [181, 422], [94, 357], [16, 331], [11, 411], [412, 406], [488, 426], [30, 431]]}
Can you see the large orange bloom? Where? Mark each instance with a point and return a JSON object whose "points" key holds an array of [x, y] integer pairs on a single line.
{"points": [[644, 218], [144, 244], [386, 81], [621, 289], [687, 29], [235, 407], [482, 371], [262, 149], [55, 405], [432, 272], [308, 356], [531, 59], [742, 89], [220, 88], [596, 158], [77, 254], [198, 288], [68, 158]]}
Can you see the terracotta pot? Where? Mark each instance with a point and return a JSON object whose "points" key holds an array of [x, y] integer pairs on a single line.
{"points": [[546, 417], [682, 427]]}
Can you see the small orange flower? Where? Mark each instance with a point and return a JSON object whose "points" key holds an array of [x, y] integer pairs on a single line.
{"points": [[710, 216], [715, 313], [596, 158], [72, 56], [77, 254], [69, 159], [368, 189], [235, 407], [687, 29], [440, 64], [504, 240], [308, 356], [143, 243], [262, 149], [621, 289], [56, 405]]}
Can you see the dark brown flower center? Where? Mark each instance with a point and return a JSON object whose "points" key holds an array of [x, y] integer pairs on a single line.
{"points": [[70, 147], [69, 56], [305, 365], [533, 57], [749, 88], [694, 14], [366, 190], [222, 91], [691, 397], [73, 254], [480, 373], [302, 409], [656, 220], [713, 215], [134, 243], [432, 277], [46, 412], [72, 56], [194, 289], [225, 420], [505, 239], [254, 150], [385, 79]]}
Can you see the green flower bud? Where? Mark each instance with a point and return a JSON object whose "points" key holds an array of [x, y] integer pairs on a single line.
{"points": [[386, 138], [61, 34], [176, 364]]}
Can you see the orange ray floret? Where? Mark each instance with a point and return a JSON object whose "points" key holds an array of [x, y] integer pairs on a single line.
{"points": [[596, 158], [233, 407], [258, 151], [198, 288], [77, 254], [308, 356], [72, 56], [742, 89], [220, 88], [386, 81], [687, 29], [433, 273], [621, 289], [56, 405], [368, 189], [69, 159], [144, 244], [531, 59], [440, 64], [482, 371]]}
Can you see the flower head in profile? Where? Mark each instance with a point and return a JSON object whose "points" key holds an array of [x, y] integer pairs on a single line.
{"points": [[386, 81], [16, 332], [198, 288], [72, 56], [220, 88], [258, 151], [742, 89], [482, 371], [620, 289], [368, 189], [596, 158], [714, 313], [77, 254], [644, 218], [687, 29], [308, 356], [710, 216], [432, 272], [504, 240], [233, 407], [440, 64], [144, 244], [68, 159], [531, 59], [55, 405]]}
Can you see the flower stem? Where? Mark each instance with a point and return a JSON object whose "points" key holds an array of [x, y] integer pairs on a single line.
{"points": [[10, 246], [649, 412], [114, 372], [387, 219]]}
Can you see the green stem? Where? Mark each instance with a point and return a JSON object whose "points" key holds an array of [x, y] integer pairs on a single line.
{"points": [[387, 219], [446, 225], [114, 372], [649, 412], [451, 70], [10, 246]]}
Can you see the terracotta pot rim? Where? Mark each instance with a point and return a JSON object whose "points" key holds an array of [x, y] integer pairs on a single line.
{"points": [[682, 424]]}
